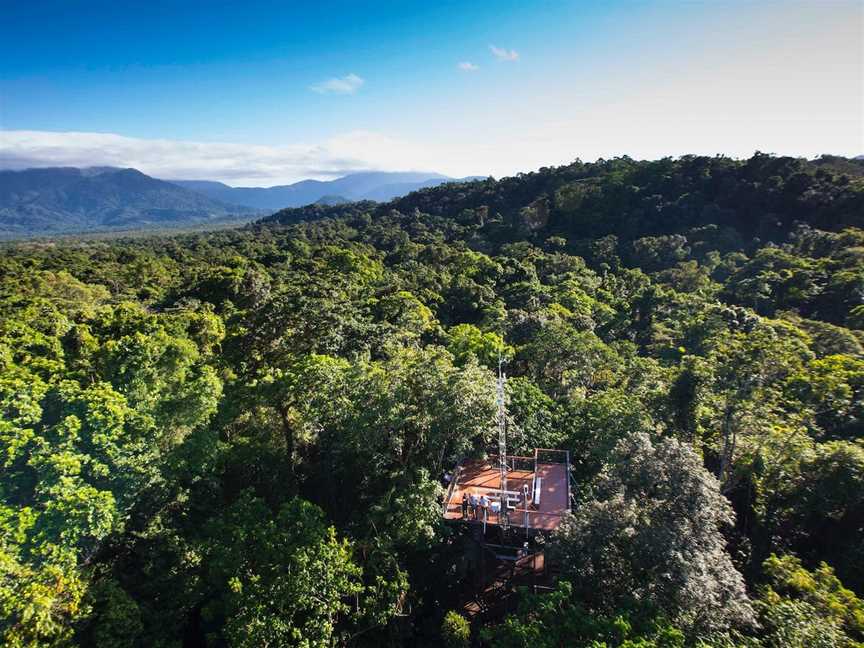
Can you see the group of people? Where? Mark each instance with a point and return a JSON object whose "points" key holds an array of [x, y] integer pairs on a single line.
{"points": [[474, 507]]}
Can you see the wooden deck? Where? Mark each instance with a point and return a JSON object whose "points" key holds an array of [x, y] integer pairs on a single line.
{"points": [[483, 477]]}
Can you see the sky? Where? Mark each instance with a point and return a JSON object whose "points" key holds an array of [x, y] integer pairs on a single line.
{"points": [[262, 93]]}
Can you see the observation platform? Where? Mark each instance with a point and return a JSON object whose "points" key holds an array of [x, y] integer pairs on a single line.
{"points": [[538, 490]]}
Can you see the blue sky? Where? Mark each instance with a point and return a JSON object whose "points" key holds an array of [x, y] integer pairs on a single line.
{"points": [[266, 92]]}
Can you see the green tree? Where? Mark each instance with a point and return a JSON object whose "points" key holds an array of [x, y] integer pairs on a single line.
{"points": [[455, 630], [799, 608], [555, 619], [648, 532], [282, 580], [466, 340]]}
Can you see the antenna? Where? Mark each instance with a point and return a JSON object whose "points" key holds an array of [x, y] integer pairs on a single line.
{"points": [[502, 441]]}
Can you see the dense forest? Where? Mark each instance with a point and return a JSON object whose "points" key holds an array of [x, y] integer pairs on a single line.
{"points": [[237, 438]]}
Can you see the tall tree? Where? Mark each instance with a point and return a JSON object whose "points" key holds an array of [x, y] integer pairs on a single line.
{"points": [[649, 534]]}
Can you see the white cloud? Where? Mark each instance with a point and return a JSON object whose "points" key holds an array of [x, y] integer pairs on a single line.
{"points": [[467, 66], [234, 164], [503, 54], [348, 84], [800, 102]]}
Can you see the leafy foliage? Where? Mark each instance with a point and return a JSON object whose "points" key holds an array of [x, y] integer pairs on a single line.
{"points": [[238, 437], [555, 619], [455, 631], [650, 532], [803, 608]]}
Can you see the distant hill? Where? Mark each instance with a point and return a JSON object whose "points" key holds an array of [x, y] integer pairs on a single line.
{"points": [[852, 167], [65, 200], [380, 186], [762, 198], [332, 200], [71, 200]]}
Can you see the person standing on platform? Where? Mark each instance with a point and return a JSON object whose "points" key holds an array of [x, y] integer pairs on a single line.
{"points": [[473, 505], [464, 506]]}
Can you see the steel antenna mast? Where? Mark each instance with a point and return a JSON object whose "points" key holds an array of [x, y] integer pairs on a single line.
{"points": [[502, 441]]}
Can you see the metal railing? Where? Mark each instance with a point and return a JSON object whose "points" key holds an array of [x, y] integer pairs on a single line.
{"points": [[522, 517], [531, 519], [514, 462], [569, 479], [552, 456]]}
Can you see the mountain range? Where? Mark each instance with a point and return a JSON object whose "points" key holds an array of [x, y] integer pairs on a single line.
{"points": [[78, 200], [60, 200], [379, 186]]}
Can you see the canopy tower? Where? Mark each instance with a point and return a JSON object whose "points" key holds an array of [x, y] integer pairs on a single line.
{"points": [[508, 502], [533, 495], [527, 493]]}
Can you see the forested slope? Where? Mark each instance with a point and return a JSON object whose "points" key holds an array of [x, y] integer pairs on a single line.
{"points": [[235, 438], [52, 201]]}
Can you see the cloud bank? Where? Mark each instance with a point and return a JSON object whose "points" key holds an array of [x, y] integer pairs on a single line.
{"points": [[467, 66], [348, 84], [234, 164], [503, 54]]}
